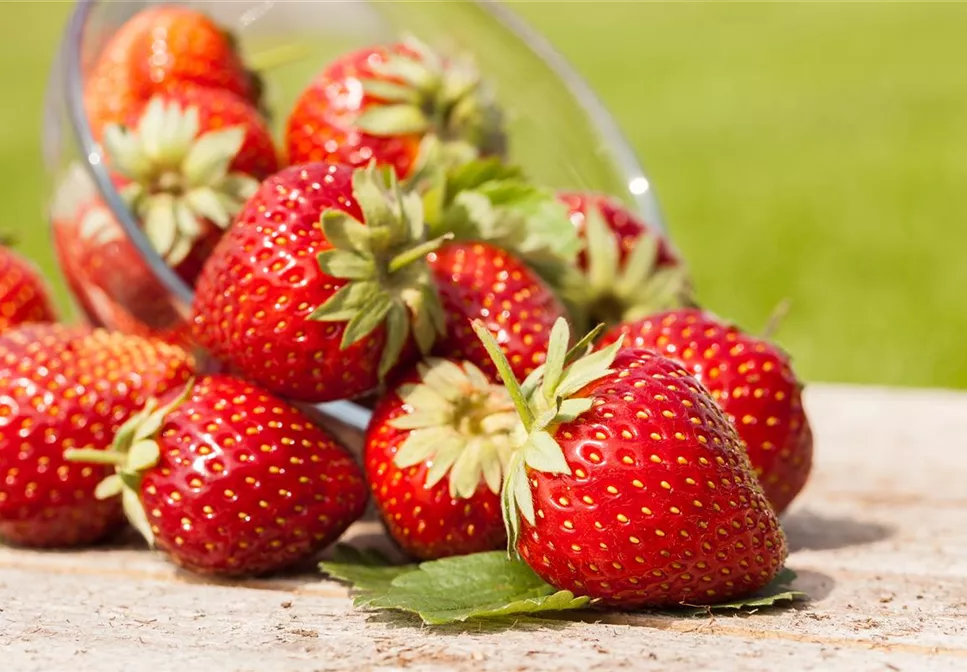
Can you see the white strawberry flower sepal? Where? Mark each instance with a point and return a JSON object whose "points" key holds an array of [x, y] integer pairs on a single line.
{"points": [[179, 176], [613, 291], [460, 422]]}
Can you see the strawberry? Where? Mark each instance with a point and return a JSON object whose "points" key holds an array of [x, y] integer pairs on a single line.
{"points": [[69, 387], [24, 296], [488, 200], [435, 450], [750, 378], [631, 486], [478, 280], [226, 479], [379, 103], [186, 164], [111, 282], [628, 269], [161, 49], [313, 291]]}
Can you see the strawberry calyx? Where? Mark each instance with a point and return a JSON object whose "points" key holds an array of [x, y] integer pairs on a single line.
{"points": [[419, 92], [180, 176], [543, 401], [383, 261], [485, 199], [463, 425], [612, 292], [135, 450]]}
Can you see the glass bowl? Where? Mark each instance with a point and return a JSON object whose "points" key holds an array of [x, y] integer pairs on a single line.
{"points": [[560, 133]]}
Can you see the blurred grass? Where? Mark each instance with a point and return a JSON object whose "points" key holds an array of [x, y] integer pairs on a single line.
{"points": [[813, 151]]}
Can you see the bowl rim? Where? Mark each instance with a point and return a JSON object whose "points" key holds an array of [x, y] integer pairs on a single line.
{"points": [[637, 185], [91, 154]]}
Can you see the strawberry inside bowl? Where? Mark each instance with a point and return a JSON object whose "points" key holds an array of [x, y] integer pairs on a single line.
{"points": [[162, 121]]}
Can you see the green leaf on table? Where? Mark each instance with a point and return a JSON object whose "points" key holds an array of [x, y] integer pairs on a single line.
{"points": [[482, 585], [776, 592], [367, 570], [490, 586]]}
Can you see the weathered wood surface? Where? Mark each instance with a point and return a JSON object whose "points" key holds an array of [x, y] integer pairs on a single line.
{"points": [[879, 541]]}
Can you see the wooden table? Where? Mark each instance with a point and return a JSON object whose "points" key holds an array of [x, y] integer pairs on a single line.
{"points": [[879, 541]]}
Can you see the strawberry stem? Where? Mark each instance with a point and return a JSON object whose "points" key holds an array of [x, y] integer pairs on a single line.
{"points": [[93, 456], [775, 319], [506, 373], [273, 58], [580, 348], [413, 254]]}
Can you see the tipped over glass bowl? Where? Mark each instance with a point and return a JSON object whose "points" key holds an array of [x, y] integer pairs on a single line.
{"points": [[558, 131]]}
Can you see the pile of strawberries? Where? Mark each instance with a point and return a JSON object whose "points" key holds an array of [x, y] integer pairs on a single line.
{"points": [[540, 375]]}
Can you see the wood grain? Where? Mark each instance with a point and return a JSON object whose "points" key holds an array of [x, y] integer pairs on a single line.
{"points": [[879, 541]]}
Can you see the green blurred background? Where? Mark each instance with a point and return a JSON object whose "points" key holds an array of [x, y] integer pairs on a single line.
{"points": [[809, 151]]}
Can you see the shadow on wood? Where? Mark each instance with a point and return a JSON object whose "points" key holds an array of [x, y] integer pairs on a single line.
{"points": [[815, 584], [808, 531]]}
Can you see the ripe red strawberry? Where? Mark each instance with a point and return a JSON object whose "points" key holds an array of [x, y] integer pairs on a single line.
{"points": [[227, 479], [380, 102], [185, 165], [313, 290], [435, 451], [69, 387], [632, 487], [753, 382], [24, 296], [110, 281], [628, 269], [478, 280], [161, 49]]}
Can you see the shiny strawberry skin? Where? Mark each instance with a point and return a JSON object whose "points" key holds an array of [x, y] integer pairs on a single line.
{"points": [[426, 522], [753, 382], [255, 294], [69, 387], [246, 484], [24, 296], [160, 49], [626, 225], [477, 280], [661, 505], [322, 126]]}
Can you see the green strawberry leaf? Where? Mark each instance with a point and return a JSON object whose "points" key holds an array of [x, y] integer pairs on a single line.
{"points": [[490, 586], [482, 585], [366, 569], [776, 592], [478, 172]]}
